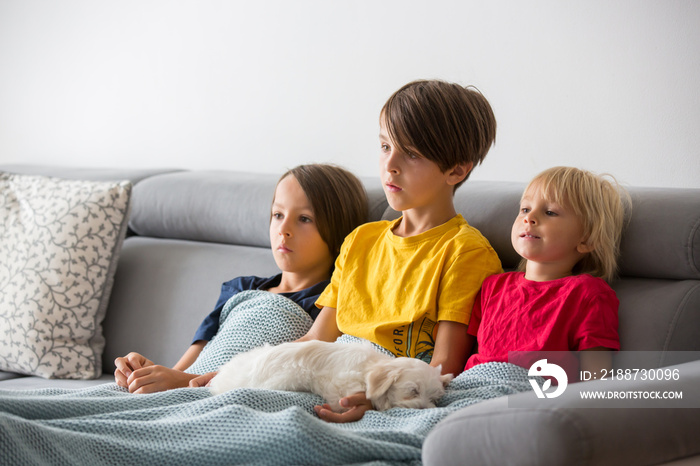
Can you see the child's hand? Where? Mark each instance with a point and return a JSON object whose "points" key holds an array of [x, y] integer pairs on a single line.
{"points": [[155, 378], [126, 365], [356, 404], [202, 380]]}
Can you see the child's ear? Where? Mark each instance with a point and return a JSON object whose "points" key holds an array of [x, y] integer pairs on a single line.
{"points": [[584, 247], [459, 172]]}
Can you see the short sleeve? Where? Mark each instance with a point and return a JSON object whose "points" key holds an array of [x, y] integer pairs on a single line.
{"points": [[599, 320], [462, 281], [210, 325]]}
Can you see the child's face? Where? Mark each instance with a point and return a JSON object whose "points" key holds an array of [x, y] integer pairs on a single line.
{"points": [[410, 181], [297, 245], [547, 234]]}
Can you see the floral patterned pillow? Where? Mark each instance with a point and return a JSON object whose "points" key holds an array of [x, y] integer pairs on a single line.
{"points": [[59, 243]]}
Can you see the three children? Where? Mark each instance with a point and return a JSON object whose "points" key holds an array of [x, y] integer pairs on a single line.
{"points": [[410, 284]]}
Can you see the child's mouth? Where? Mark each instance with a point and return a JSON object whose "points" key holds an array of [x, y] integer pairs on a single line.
{"points": [[392, 188]]}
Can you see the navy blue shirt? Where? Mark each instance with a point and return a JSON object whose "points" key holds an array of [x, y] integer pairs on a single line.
{"points": [[305, 298]]}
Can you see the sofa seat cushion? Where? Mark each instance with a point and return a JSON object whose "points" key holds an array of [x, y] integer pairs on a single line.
{"points": [[36, 383], [4, 375]]}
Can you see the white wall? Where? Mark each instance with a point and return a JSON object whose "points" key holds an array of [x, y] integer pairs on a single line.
{"points": [[607, 85]]}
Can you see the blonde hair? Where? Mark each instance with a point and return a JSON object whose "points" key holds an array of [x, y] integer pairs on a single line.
{"points": [[600, 202]]}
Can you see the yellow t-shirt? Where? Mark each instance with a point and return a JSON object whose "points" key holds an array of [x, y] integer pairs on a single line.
{"points": [[393, 290]]}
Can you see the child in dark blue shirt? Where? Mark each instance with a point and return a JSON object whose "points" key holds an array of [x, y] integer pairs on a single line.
{"points": [[305, 298], [315, 206]]}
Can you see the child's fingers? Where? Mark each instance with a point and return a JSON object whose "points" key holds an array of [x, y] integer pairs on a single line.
{"points": [[122, 366], [195, 383], [120, 378], [136, 361], [354, 400], [202, 380], [353, 414], [143, 380]]}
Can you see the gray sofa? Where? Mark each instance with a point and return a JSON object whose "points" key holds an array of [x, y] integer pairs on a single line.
{"points": [[192, 230]]}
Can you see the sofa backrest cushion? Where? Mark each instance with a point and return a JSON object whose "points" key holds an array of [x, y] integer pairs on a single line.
{"points": [[662, 239], [221, 207], [134, 175]]}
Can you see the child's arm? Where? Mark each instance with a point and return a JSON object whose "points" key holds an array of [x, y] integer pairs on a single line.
{"points": [[595, 360], [452, 347], [325, 327], [140, 375], [190, 355]]}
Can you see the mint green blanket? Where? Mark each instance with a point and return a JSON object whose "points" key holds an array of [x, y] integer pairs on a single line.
{"points": [[107, 425]]}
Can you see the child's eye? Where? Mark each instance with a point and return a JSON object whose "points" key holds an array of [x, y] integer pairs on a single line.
{"points": [[551, 213], [276, 215], [412, 154], [385, 147], [524, 210], [305, 219]]}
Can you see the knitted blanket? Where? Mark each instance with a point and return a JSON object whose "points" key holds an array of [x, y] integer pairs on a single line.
{"points": [[107, 425], [248, 320]]}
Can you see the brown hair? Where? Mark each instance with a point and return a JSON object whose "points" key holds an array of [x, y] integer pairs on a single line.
{"points": [[600, 202], [444, 122], [337, 197]]}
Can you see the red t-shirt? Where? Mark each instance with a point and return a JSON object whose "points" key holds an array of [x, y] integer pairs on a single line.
{"points": [[573, 313]]}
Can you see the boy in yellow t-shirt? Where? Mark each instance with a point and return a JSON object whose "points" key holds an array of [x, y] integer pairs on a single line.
{"points": [[409, 284], [399, 288]]}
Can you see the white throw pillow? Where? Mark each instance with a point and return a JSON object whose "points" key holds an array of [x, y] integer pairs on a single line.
{"points": [[59, 243]]}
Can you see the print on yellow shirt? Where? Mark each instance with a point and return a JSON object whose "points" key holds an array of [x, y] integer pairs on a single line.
{"points": [[416, 339]]}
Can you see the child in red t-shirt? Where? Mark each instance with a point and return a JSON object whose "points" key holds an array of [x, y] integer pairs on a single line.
{"points": [[568, 234]]}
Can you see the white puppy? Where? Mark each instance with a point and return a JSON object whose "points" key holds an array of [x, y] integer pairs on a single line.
{"points": [[334, 371]]}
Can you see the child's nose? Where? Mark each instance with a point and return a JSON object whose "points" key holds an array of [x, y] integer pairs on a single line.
{"points": [[391, 165], [285, 229], [529, 218]]}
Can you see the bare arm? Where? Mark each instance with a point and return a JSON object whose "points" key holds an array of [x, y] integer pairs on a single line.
{"points": [[324, 328], [452, 347], [190, 355]]}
